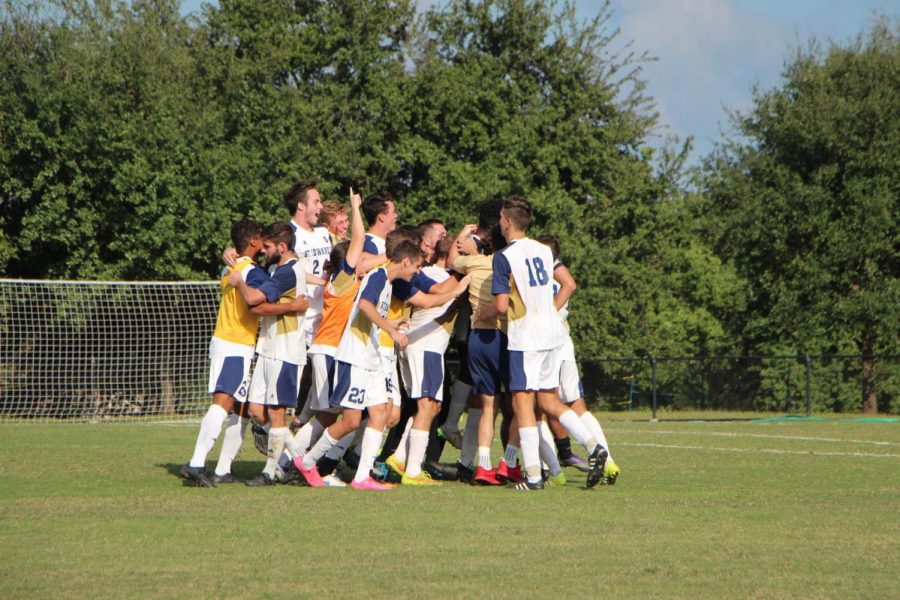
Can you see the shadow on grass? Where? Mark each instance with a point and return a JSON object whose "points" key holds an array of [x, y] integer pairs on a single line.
{"points": [[245, 469]]}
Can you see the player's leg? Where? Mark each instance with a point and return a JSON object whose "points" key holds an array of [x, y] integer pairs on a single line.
{"points": [[424, 376], [376, 403], [460, 392], [548, 455], [610, 469], [232, 440]]}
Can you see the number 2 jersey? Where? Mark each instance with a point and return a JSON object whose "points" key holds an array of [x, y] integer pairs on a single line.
{"points": [[524, 270], [313, 248]]}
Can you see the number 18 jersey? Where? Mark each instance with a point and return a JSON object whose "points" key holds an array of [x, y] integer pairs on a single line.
{"points": [[524, 270]]}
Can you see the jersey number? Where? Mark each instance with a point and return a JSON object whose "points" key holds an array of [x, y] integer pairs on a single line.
{"points": [[536, 269], [316, 267], [357, 396]]}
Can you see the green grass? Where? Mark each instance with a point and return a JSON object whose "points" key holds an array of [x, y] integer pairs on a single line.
{"points": [[803, 509]]}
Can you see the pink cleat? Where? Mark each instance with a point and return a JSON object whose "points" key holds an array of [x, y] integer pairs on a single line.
{"points": [[311, 476], [370, 484]]}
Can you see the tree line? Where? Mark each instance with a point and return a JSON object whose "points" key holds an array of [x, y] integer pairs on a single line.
{"points": [[131, 138]]}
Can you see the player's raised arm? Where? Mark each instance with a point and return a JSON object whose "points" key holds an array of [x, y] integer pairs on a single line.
{"points": [[466, 232], [357, 231]]}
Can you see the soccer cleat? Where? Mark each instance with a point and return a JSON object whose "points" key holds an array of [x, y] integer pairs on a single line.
{"points": [[327, 465], [441, 471], [465, 474], [311, 476], [610, 472], [454, 437], [261, 480], [332, 480], [380, 472], [575, 461], [422, 479], [289, 475], [197, 475], [526, 485], [370, 484], [596, 462], [351, 458], [557, 480], [260, 438], [395, 465], [486, 477], [226, 478], [507, 474]]}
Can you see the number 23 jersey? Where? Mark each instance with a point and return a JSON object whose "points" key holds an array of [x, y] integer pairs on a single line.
{"points": [[524, 270]]}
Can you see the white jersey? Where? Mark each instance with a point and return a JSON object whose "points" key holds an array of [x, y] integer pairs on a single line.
{"points": [[282, 337], [373, 244], [313, 248], [360, 341], [524, 270], [430, 328]]}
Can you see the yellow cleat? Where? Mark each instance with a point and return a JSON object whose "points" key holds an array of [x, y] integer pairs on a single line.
{"points": [[557, 480], [395, 465], [610, 472], [422, 479]]}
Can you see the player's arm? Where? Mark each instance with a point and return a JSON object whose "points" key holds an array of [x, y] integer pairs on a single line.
{"points": [[500, 287], [368, 261], [566, 285], [435, 297], [229, 256], [467, 231], [357, 232], [274, 309], [269, 290], [368, 309]]}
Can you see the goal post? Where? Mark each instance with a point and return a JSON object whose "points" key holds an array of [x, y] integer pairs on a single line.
{"points": [[98, 350]]}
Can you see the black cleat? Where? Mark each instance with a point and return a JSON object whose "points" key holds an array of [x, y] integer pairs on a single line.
{"points": [[226, 478], [260, 439], [464, 474], [261, 480], [440, 471], [290, 475], [526, 485], [198, 475], [327, 465], [596, 462]]}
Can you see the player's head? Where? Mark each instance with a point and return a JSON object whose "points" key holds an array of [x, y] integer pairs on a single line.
{"points": [[515, 215], [442, 249], [409, 258], [335, 217], [552, 242], [303, 202], [489, 214], [337, 256], [246, 237], [278, 242], [404, 233], [433, 231], [380, 212]]}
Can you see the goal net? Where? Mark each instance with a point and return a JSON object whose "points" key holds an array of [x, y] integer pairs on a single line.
{"points": [[104, 350]]}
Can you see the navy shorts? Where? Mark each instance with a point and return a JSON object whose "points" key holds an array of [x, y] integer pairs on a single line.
{"points": [[488, 361]]}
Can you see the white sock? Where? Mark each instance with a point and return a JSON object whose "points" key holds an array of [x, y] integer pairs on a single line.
{"points": [[418, 442], [318, 451], [338, 450], [371, 443], [403, 445], [308, 435], [577, 430], [470, 437], [548, 449], [511, 456], [277, 437], [593, 425], [459, 395], [231, 442], [484, 458], [531, 453], [210, 427]]}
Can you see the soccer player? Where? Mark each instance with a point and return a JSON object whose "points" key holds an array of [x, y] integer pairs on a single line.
{"points": [[359, 383], [231, 351], [335, 218], [521, 286], [381, 217]]}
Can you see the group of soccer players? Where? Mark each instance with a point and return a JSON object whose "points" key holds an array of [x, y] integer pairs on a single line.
{"points": [[351, 335]]}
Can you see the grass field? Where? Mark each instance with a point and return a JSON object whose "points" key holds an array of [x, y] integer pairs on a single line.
{"points": [[760, 509]]}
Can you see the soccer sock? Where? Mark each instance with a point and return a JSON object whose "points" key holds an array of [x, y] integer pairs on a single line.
{"points": [[338, 450], [547, 451], [277, 437], [577, 430], [458, 396], [291, 449], [418, 441], [318, 451], [531, 454], [371, 442], [210, 427], [403, 446], [511, 456], [231, 442], [593, 425], [484, 458], [308, 435], [564, 447], [470, 437]]}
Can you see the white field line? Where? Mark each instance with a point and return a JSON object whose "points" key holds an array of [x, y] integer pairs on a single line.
{"points": [[763, 450], [756, 435]]}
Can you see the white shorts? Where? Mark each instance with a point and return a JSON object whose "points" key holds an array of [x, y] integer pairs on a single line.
{"points": [[570, 387], [389, 368], [275, 382], [322, 384], [423, 374], [229, 370], [358, 388], [534, 370], [567, 350]]}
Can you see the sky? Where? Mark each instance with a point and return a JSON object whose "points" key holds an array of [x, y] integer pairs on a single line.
{"points": [[710, 53]]}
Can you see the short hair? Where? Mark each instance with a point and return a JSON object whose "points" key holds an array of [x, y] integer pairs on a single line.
{"points": [[442, 248], [280, 233], [331, 209], [552, 242], [518, 210], [243, 231], [489, 214], [374, 205], [298, 194], [428, 224], [404, 233], [406, 249]]}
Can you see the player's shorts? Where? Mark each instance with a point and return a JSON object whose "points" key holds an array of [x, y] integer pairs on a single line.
{"points": [[567, 351], [275, 382], [358, 388], [322, 383], [229, 371], [570, 386], [389, 369], [534, 370], [488, 361], [423, 374]]}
